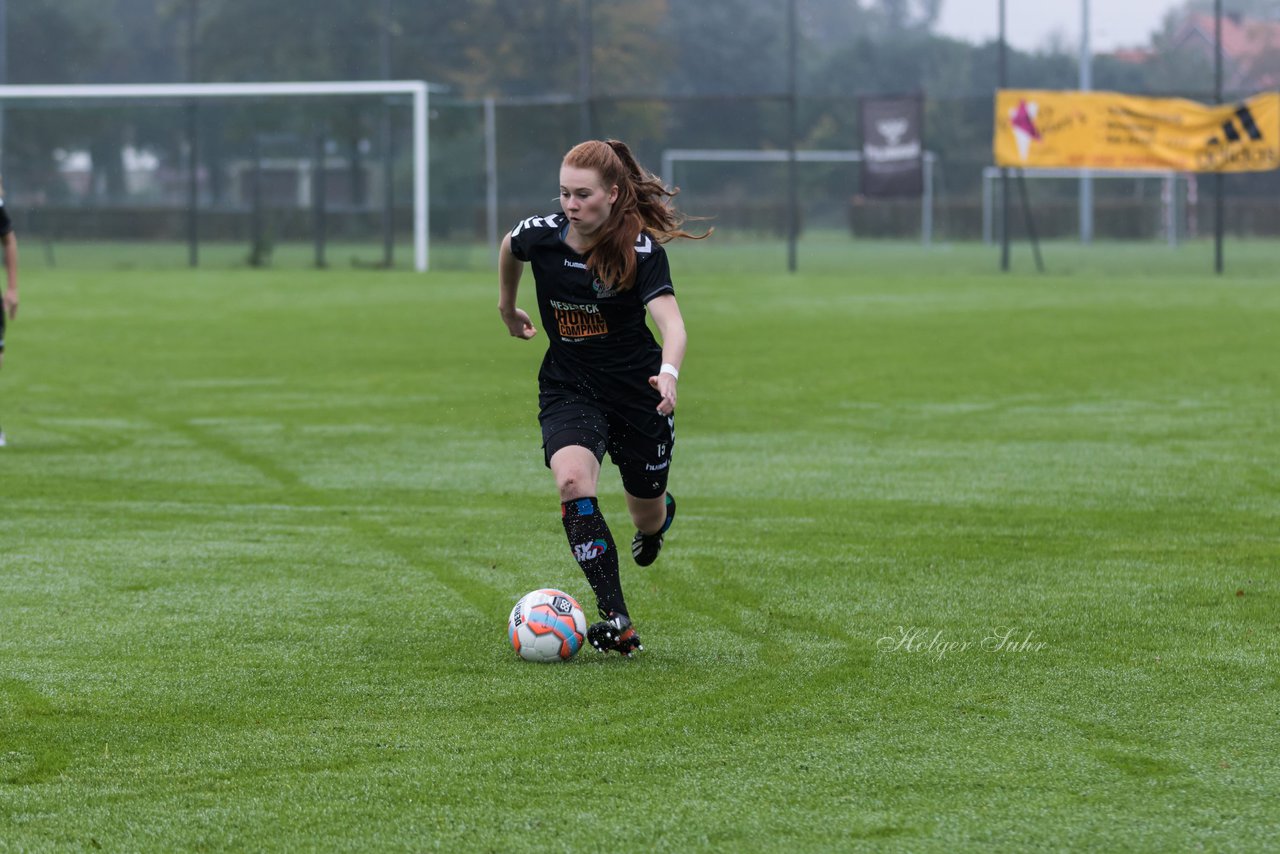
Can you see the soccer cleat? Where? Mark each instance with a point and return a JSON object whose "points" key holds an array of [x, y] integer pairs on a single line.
{"points": [[2, 439], [615, 633], [645, 547]]}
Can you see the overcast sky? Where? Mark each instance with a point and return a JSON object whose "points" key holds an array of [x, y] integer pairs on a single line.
{"points": [[1030, 23]]}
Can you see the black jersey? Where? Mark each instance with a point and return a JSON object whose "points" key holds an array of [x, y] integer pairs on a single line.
{"points": [[599, 343], [6, 225]]}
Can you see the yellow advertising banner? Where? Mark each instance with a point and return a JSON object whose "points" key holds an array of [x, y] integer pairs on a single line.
{"points": [[1108, 130]]}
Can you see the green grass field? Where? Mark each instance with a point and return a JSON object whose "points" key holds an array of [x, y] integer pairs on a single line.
{"points": [[965, 561]]}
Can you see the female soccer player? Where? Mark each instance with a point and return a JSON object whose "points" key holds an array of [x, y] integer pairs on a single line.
{"points": [[605, 383]]}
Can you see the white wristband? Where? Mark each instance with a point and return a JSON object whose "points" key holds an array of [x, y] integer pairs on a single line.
{"points": [[669, 369]]}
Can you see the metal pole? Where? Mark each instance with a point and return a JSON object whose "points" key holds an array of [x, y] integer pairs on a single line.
{"points": [[491, 173], [319, 182], [388, 179], [987, 239], [193, 142], [584, 67], [926, 201], [1030, 221], [1218, 179], [257, 235], [1086, 84], [421, 181], [193, 184], [793, 192], [1004, 171], [4, 69]]}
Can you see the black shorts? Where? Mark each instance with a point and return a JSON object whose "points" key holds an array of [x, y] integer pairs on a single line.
{"points": [[639, 441], [1, 329]]}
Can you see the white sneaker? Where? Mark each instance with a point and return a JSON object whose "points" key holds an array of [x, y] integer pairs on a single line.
{"points": [[2, 442]]}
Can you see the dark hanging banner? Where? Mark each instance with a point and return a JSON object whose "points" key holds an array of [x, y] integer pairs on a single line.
{"points": [[893, 146]]}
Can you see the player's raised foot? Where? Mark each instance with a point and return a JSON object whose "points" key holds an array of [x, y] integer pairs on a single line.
{"points": [[615, 633], [645, 547]]}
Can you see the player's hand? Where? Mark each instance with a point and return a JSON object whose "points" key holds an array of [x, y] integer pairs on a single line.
{"points": [[11, 304], [519, 324], [665, 385]]}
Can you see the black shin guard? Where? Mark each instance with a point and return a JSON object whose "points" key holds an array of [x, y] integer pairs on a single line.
{"points": [[593, 549]]}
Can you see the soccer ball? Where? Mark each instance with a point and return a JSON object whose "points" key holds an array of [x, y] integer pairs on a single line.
{"points": [[547, 625]]}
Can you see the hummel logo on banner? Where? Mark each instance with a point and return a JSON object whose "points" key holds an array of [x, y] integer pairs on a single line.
{"points": [[1232, 134]]}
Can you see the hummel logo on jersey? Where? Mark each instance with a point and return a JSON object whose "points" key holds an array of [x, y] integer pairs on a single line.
{"points": [[590, 551], [577, 265]]}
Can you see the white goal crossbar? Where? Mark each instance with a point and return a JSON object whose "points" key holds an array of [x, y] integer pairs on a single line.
{"points": [[671, 156], [418, 90]]}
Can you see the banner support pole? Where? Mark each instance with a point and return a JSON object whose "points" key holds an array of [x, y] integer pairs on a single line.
{"points": [[793, 191], [1030, 220], [1004, 171], [1218, 179]]}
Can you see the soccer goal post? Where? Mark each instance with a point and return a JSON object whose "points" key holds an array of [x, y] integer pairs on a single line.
{"points": [[417, 90]]}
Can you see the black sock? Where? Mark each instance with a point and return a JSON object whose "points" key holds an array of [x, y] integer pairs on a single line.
{"points": [[592, 546]]}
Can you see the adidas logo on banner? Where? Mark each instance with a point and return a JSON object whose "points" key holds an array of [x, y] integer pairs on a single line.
{"points": [[1240, 146], [1232, 133]]}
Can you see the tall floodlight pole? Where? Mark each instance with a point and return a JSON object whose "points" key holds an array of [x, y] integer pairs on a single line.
{"points": [[4, 69], [585, 48], [793, 192], [1218, 179], [1086, 84], [1004, 170], [388, 178], [193, 137]]}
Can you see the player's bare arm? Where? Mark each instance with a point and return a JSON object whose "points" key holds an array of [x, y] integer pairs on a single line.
{"points": [[665, 312], [509, 269], [11, 270]]}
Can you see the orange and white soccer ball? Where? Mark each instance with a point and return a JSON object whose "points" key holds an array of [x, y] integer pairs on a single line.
{"points": [[547, 625]]}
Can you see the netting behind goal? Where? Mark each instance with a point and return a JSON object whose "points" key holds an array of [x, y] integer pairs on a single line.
{"points": [[1142, 206], [749, 191], [329, 174]]}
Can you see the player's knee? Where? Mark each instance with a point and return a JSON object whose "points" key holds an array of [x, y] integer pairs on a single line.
{"points": [[649, 516], [574, 483]]}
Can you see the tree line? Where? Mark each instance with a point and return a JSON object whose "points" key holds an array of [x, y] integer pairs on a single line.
{"points": [[696, 72], [526, 47]]}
